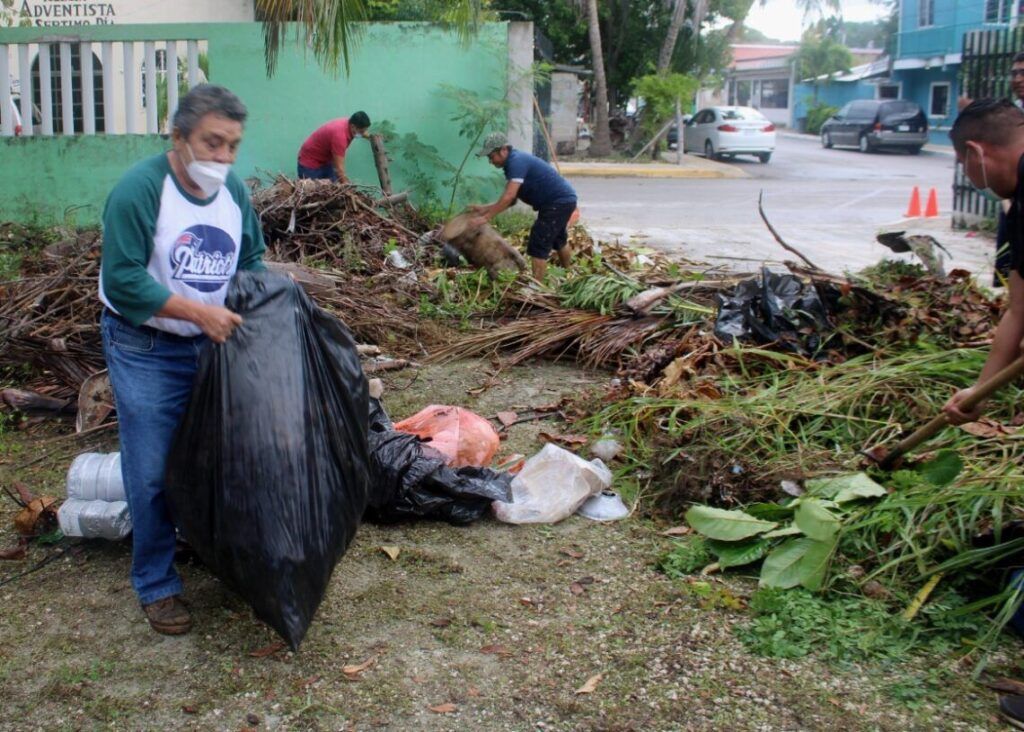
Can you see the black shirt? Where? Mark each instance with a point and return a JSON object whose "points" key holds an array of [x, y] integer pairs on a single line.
{"points": [[1015, 222]]}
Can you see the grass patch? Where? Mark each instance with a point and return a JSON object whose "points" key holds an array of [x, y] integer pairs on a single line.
{"points": [[848, 629], [687, 556]]}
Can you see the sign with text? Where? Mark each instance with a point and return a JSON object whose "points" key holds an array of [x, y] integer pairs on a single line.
{"points": [[59, 12]]}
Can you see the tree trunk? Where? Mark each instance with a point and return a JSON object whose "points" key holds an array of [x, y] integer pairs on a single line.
{"points": [[734, 32], [668, 46], [614, 35], [601, 144], [380, 159]]}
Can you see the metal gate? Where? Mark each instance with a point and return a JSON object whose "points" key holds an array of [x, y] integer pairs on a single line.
{"points": [[984, 72]]}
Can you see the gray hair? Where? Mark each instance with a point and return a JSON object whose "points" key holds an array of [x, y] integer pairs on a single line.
{"points": [[207, 99]]}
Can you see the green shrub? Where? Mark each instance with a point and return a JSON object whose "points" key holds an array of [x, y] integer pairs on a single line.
{"points": [[817, 114]]}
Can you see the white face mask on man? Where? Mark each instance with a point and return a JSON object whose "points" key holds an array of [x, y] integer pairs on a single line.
{"points": [[985, 190], [209, 175]]}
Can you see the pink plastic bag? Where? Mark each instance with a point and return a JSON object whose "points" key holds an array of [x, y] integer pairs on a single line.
{"points": [[460, 435]]}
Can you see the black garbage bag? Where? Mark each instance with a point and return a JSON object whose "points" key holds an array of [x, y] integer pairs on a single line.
{"points": [[774, 308], [268, 473], [411, 480]]}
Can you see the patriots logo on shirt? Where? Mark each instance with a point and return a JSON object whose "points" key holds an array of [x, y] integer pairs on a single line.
{"points": [[203, 258]]}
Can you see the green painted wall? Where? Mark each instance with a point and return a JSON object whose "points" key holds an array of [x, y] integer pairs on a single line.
{"points": [[65, 179], [397, 73]]}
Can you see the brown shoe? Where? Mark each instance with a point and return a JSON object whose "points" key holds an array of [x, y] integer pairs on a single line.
{"points": [[169, 616]]}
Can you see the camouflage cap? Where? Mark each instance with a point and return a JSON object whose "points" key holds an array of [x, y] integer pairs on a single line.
{"points": [[492, 142]]}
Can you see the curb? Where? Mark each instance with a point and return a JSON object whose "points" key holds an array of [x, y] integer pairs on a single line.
{"points": [[656, 170]]}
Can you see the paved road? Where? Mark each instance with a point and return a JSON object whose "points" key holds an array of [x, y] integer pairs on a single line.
{"points": [[827, 203]]}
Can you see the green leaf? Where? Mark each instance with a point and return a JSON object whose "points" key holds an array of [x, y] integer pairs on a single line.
{"points": [[782, 567], [815, 520], [717, 523], [814, 564], [942, 469], [790, 530], [841, 488], [769, 511], [801, 561], [736, 554]]}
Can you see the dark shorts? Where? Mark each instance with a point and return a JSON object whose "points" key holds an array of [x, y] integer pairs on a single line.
{"points": [[324, 172], [549, 230]]}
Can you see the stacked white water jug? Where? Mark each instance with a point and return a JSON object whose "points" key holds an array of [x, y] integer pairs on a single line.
{"points": [[96, 507]]}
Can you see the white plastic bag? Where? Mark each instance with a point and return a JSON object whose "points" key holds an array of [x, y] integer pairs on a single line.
{"points": [[551, 486]]}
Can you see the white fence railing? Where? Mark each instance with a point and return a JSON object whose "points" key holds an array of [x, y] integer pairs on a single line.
{"points": [[75, 87]]}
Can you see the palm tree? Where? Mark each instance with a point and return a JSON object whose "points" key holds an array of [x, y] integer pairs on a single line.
{"points": [[809, 7], [668, 46], [820, 57], [332, 26], [601, 144]]}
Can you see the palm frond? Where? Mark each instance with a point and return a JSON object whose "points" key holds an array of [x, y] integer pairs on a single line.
{"points": [[331, 28]]}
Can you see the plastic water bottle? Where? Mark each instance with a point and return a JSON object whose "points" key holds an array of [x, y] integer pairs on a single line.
{"points": [[96, 476], [95, 519]]}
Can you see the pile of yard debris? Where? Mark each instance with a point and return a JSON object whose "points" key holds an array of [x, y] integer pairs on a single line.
{"points": [[663, 327], [736, 392], [333, 239]]}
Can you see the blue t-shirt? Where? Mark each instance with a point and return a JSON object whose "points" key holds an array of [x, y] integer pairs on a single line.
{"points": [[540, 183]]}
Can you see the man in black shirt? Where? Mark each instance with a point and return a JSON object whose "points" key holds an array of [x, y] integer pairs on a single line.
{"points": [[988, 137], [989, 140]]}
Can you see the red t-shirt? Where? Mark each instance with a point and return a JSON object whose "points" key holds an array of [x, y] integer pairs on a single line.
{"points": [[322, 146]]}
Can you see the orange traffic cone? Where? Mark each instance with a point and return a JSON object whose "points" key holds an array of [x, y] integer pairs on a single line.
{"points": [[931, 210], [914, 210]]}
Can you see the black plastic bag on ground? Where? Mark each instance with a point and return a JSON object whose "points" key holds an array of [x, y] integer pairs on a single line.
{"points": [[268, 476], [774, 308], [411, 480]]}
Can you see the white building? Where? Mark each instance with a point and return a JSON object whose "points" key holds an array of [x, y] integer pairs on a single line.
{"points": [[57, 74]]}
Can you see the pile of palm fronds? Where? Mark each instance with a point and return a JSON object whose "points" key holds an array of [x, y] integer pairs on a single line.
{"points": [[588, 318], [329, 224], [49, 319]]}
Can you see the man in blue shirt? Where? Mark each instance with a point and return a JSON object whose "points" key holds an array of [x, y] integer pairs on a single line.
{"points": [[536, 183]]}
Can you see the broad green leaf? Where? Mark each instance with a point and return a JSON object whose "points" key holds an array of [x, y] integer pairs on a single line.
{"points": [[790, 530], [717, 523], [769, 511], [736, 554], [942, 469], [797, 562], [781, 567], [841, 488], [815, 520], [814, 564], [859, 485]]}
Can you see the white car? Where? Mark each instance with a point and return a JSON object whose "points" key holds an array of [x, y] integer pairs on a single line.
{"points": [[727, 131]]}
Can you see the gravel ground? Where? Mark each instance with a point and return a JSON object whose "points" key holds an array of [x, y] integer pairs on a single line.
{"points": [[486, 627]]}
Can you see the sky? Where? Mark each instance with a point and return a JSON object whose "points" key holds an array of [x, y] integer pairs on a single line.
{"points": [[781, 19]]}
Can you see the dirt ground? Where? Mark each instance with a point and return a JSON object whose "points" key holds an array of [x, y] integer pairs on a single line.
{"points": [[495, 627]]}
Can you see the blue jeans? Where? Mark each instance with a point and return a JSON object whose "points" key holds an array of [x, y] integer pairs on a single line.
{"points": [[151, 373], [324, 172]]}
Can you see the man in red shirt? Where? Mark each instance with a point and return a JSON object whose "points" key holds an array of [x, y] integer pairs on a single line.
{"points": [[322, 155]]}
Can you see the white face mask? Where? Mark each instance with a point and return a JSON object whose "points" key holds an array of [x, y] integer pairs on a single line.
{"points": [[207, 174], [985, 191]]}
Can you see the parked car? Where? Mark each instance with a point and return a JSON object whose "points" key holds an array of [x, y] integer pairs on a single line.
{"points": [[672, 136], [875, 124], [728, 131]]}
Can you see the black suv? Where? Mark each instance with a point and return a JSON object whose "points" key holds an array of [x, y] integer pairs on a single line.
{"points": [[872, 124]]}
